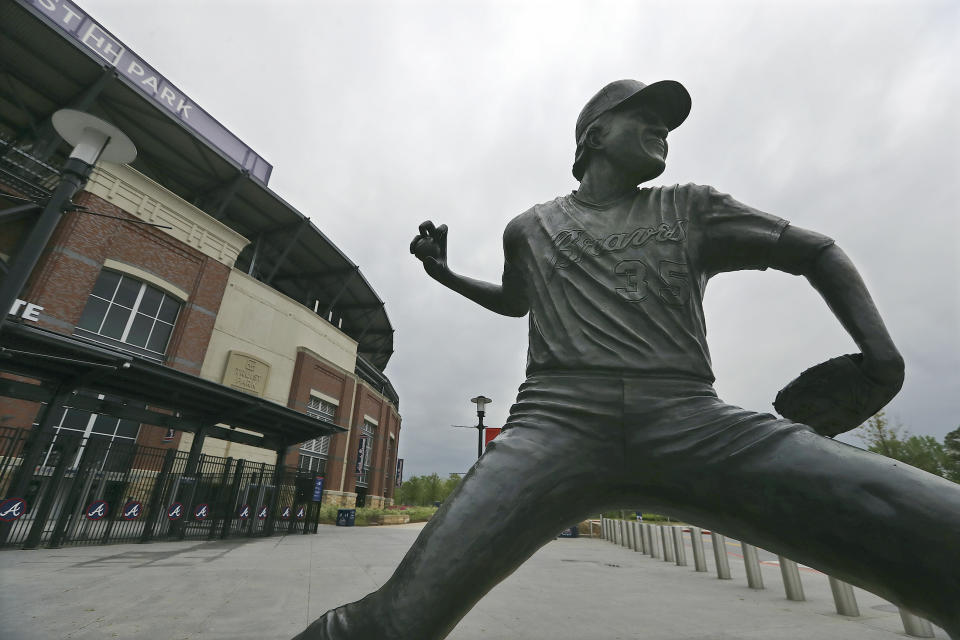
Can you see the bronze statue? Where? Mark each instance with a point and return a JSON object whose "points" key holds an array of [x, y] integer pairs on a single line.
{"points": [[618, 408]]}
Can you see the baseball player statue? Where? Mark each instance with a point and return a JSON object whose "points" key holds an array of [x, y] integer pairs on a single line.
{"points": [[618, 408]]}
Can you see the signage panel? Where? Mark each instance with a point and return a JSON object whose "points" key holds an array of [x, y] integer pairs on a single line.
{"points": [[12, 508], [399, 476], [318, 489], [361, 454], [246, 373], [89, 36]]}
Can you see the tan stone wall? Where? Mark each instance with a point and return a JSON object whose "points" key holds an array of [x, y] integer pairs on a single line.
{"points": [[339, 498]]}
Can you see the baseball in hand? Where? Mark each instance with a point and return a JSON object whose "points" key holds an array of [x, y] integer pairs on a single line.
{"points": [[426, 248]]}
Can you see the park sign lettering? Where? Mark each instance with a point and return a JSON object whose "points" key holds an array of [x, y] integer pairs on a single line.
{"points": [[25, 310], [89, 36]]}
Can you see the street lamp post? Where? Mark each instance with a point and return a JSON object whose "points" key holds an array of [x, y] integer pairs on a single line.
{"points": [[92, 140], [481, 402]]}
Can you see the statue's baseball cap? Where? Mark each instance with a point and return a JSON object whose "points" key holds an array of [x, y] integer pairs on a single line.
{"points": [[668, 98]]}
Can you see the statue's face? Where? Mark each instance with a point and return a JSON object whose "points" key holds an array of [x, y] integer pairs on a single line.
{"points": [[635, 141]]}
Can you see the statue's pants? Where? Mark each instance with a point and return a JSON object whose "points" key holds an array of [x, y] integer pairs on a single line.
{"points": [[575, 445]]}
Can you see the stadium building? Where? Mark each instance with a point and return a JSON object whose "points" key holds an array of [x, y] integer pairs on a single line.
{"points": [[191, 356]]}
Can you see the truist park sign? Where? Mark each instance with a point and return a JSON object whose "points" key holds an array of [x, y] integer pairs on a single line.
{"points": [[89, 36]]}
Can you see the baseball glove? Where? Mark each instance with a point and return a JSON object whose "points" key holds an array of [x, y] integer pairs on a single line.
{"points": [[834, 396]]}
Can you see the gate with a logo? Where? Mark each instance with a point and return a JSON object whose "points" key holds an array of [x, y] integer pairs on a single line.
{"points": [[94, 491]]}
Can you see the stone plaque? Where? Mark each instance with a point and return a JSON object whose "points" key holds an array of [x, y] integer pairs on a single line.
{"points": [[246, 373]]}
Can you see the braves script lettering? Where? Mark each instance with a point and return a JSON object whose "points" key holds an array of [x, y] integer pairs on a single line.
{"points": [[573, 244]]}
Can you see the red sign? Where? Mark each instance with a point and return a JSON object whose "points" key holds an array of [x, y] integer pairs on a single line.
{"points": [[489, 433]]}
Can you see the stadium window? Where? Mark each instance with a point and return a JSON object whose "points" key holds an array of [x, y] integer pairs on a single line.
{"points": [[123, 312]]}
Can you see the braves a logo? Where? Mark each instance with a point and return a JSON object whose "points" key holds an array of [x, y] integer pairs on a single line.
{"points": [[12, 508], [285, 514], [262, 514], [201, 512], [97, 510], [132, 510], [175, 511], [244, 512], [301, 513]]}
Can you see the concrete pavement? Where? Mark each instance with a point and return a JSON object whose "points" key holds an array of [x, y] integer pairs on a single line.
{"points": [[270, 588]]}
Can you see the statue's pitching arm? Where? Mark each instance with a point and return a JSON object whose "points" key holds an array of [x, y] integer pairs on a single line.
{"points": [[833, 275], [430, 247], [840, 394]]}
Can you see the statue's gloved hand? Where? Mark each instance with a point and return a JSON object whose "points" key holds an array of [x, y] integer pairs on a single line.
{"points": [[430, 247], [836, 396]]}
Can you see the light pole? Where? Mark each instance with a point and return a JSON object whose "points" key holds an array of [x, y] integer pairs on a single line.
{"points": [[481, 402], [92, 140]]}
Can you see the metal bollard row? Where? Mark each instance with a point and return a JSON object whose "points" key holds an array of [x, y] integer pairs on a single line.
{"points": [[666, 542], [679, 549]]}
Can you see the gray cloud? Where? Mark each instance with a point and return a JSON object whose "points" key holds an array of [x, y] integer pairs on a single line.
{"points": [[378, 115]]}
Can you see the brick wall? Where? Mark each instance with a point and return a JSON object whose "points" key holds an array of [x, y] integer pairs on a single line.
{"points": [[69, 267]]}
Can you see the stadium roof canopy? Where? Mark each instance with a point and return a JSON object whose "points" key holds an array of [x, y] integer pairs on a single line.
{"points": [[58, 58], [164, 396]]}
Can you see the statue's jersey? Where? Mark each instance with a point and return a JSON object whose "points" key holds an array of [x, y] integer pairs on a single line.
{"points": [[620, 288]]}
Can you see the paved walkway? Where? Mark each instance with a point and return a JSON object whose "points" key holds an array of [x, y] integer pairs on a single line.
{"points": [[269, 588]]}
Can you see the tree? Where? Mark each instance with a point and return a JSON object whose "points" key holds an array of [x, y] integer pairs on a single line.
{"points": [[881, 437], [923, 452], [425, 490], [951, 443]]}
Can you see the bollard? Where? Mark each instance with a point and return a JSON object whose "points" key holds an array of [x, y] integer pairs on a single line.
{"points": [[603, 527], [641, 541], [720, 555], [696, 539], [623, 532], [667, 544], [679, 549], [752, 564], [843, 598], [652, 537], [635, 535], [616, 532], [916, 626], [791, 579], [626, 533]]}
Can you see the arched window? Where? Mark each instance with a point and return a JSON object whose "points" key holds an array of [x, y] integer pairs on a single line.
{"points": [[129, 314]]}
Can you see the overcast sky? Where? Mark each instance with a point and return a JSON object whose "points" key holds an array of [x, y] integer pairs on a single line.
{"points": [[839, 116]]}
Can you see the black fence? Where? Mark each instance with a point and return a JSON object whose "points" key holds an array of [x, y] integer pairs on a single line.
{"points": [[92, 490]]}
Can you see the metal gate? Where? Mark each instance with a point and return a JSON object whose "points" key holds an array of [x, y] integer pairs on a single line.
{"points": [[94, 491]]}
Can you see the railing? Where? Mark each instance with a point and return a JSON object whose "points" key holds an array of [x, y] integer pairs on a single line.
{"points": [[666, 542], [94, 491], [24, 173]]}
